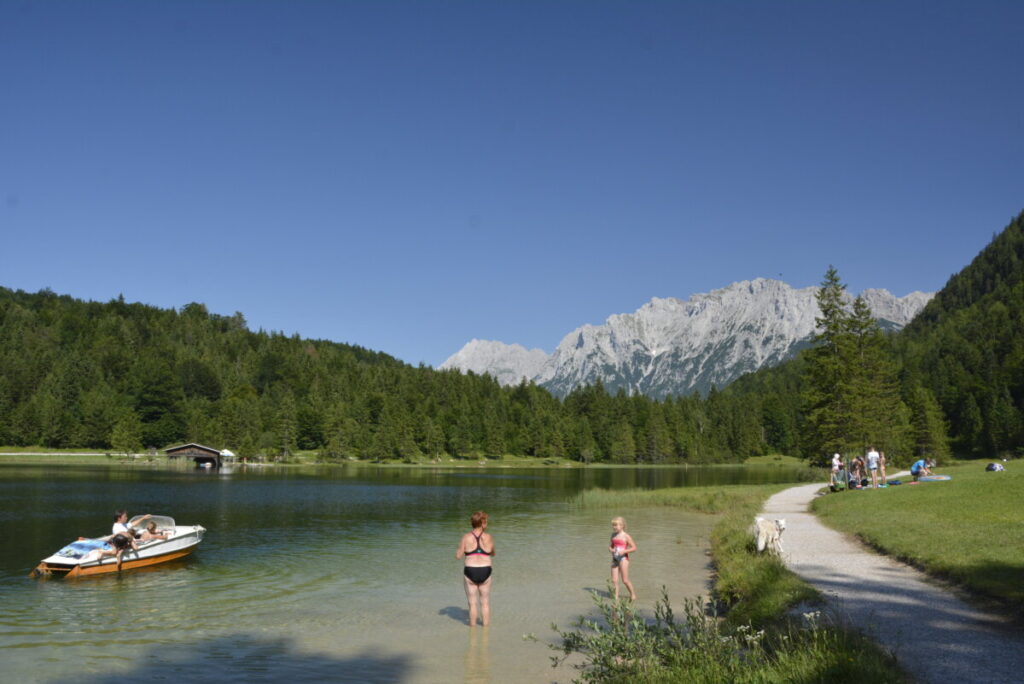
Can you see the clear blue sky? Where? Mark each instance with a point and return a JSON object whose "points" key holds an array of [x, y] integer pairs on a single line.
{"points": [[409, 175]]}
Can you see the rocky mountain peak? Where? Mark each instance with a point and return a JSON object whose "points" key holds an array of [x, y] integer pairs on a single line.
{"points": [[674, 346]]}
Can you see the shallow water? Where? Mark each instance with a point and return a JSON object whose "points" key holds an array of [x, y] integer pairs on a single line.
{"points": [[323, 574]]}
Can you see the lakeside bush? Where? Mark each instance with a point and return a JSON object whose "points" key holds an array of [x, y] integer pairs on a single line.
{"points": [[622, 646], [748, 632]]}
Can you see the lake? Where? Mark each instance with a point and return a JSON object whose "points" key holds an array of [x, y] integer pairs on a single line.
{"points": [[337, 574]]}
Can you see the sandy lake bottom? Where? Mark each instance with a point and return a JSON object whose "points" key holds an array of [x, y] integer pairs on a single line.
{"points": [[330, 581]]}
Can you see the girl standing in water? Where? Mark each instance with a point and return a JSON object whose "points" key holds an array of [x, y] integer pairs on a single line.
{"points": [[477, 547], [621, 546]]}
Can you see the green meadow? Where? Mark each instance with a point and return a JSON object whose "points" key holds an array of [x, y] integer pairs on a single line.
{"points": [[969, 530], [762, 635]]}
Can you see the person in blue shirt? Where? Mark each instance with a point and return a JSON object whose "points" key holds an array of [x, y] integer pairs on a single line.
{"points": [[922, 467]]}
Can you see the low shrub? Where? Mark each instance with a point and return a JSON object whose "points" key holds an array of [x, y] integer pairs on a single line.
{"points": [[621, 646]]}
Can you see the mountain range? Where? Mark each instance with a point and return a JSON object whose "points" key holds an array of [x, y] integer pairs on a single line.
{"points": [[671, 346]]}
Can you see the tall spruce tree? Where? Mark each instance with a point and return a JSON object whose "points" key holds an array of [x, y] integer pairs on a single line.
{"points": [[851, 391], [929, 431], [877, 415], [826, 403]]}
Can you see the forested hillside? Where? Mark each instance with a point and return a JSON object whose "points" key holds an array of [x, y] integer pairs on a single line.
{"points": [[127, 376], [960, 364], [967, 348]]}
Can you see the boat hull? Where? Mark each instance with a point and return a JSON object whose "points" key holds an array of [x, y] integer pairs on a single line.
{"points": [[181, 544]]}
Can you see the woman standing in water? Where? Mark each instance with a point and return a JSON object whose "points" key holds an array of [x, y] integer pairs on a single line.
{"points": [[477, 547], [621, 546]]}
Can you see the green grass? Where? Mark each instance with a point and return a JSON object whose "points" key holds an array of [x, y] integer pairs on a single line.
{"points": [[711, 499], [969, 530], [758, 641], [46, 450], [623, 646], [756, 588], [66, 457], [775, 459]]}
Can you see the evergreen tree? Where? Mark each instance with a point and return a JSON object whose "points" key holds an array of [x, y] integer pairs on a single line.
{"points": [[872, 386], [827, 369], [623, 449], [126, 437], [929, 432], [586, 444]]}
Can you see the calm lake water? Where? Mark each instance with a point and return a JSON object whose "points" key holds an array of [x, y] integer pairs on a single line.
{"points": [[328, 574]]}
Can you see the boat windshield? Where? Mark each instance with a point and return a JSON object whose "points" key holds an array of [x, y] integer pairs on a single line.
{"points": [[163, 522]]}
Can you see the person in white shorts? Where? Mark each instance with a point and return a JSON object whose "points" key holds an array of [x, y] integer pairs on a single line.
{"points": [[872, 459]]}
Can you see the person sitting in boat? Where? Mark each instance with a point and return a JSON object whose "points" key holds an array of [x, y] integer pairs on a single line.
{"points": [[151, 533], [121, 525], [122, 536]]}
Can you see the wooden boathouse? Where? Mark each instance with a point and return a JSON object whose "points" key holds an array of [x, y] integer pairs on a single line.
{"points": [[198, 453]]}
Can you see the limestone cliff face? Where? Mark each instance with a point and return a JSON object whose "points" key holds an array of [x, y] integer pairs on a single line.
{"points": [[672, 346]]}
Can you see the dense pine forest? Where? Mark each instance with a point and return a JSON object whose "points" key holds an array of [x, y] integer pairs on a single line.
{"points": [[126, 376], [129, 376]]}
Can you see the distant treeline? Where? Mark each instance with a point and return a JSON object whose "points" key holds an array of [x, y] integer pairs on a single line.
{"points": [[127, 376]]}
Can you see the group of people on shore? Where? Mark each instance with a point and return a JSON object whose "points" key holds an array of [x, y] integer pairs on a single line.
{"points": [[854, 475], [476, 550]]}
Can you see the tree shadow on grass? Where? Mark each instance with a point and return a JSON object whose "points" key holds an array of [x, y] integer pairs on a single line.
{"points": [[246, 658], [933, 632]]}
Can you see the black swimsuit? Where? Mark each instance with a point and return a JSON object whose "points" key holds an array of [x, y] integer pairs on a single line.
{"points": [[477, 574]]}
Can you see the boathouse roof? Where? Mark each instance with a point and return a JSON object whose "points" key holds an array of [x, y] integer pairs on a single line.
{"points": [[192, 448]]}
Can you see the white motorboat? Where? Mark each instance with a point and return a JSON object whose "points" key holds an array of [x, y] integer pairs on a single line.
{"points": [[85, 556]]}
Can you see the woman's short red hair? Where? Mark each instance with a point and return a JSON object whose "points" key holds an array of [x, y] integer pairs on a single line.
{"points": [[478, 519]]}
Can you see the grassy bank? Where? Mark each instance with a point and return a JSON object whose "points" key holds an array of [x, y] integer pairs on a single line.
{"points": [[71, 457], [969, 530], [37, 455], [758, 641], [775, 459], [756, 588]]}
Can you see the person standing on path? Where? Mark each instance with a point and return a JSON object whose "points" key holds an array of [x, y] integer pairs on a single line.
{"points": [[837, 467], [477, 548], [621, 546], [872, 459]]}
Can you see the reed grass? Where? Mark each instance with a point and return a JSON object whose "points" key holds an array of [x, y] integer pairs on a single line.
{"points": [[759, 639], [756, 588], [621, 646]]}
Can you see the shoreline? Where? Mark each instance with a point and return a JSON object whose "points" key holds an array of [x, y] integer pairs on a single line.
{"points": [[71, 458]]}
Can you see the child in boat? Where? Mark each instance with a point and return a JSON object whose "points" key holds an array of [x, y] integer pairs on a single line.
{"points": [[151, 533], [621, 546]]}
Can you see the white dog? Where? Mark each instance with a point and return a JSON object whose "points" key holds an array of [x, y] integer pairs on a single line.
{"points": [[769, 534]]}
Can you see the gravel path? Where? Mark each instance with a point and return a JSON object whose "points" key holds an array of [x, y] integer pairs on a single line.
{"points": [[935, 636]]}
